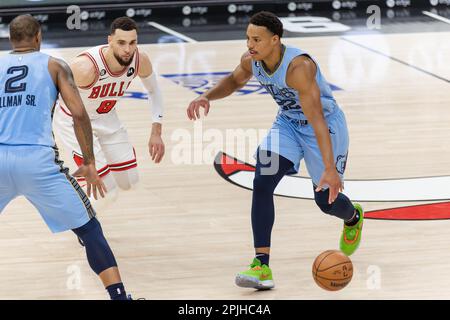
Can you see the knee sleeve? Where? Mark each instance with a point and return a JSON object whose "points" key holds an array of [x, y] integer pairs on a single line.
{"points": [[321, 198], [342, 207], [264, 184], [263, 211], [99, 254]]}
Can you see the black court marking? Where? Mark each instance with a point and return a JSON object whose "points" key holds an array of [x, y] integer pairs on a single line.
{"points": [[397, 60], [343, 279], [330, 252], [335, 265]]}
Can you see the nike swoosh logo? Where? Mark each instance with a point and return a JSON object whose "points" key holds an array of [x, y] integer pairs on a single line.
{"points": [[103, 78]]}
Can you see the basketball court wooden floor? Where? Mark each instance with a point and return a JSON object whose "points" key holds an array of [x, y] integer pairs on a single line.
{"points": [[185, 232]]}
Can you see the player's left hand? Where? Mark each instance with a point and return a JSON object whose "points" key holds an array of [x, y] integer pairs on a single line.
{"points": [[331, 178], [156, 148], [93, 180]]}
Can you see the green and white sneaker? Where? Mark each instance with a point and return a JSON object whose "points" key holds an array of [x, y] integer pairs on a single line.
{"points": [[351, 236], [258, 277]]}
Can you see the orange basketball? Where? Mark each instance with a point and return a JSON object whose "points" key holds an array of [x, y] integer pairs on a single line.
{"points": [[332, 270]]}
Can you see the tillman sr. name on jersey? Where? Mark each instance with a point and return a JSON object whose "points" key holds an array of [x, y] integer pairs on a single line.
{"points": [[16, 100]]}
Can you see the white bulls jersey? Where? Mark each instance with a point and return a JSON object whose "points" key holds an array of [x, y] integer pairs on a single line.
{"points": [[101, 96], [113, 151]]}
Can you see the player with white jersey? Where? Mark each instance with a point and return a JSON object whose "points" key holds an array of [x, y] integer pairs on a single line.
{"points": [[103, 74]]}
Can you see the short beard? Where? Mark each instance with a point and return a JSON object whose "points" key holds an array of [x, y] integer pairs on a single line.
{"points": [[122, 62]]}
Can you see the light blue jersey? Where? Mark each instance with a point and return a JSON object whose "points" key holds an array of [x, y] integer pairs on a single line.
{"points": [[29, 159], [286, 97], [291, 136], [27, 98]]}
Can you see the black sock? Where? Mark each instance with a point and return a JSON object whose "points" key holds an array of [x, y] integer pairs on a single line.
{"points": [[354, 220], [117, 291], [263, 257]]}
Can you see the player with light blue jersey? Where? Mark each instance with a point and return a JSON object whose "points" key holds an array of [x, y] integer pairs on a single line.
{"points": [[286, 97], [29, 162], [290, 114], [27, 101], [309, 125]]}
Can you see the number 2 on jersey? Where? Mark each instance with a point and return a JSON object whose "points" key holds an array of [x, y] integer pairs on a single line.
{"points": [[10, 84]]}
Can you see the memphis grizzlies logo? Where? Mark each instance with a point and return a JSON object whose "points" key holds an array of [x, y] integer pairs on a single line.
{"points": [[341, 162]]}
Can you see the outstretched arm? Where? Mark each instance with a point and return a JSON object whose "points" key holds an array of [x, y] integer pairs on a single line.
{"points": [[148, 77], [226, 86], [301, 76], [65, 83]]}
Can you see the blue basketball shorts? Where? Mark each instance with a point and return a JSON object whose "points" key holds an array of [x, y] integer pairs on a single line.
{"points": [[296, 140], [37, 173]]}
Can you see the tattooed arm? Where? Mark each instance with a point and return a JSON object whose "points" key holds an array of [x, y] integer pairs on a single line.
{"points": [[64, 81]]}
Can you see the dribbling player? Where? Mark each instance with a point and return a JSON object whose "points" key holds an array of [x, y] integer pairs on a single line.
{"points": [[29, 160], [309, 125], [103, 74]]}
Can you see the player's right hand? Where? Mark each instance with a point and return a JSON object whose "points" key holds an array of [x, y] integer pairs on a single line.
{"points": [[331, 178], [193, 111], [93, 180]]}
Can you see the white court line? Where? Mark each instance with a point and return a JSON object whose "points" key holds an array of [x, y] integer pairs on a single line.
{"points": [[172, 32], [380, 190], [437, 17]]}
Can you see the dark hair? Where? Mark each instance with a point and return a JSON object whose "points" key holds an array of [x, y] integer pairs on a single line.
{"points": [[269, 20], [23, 27], [123, 23]]}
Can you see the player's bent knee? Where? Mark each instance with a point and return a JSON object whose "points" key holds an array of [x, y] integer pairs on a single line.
{"points": [[99, 254], [263, 184], [127, 180], [135, 183], [109, 182], [321, 198]]}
